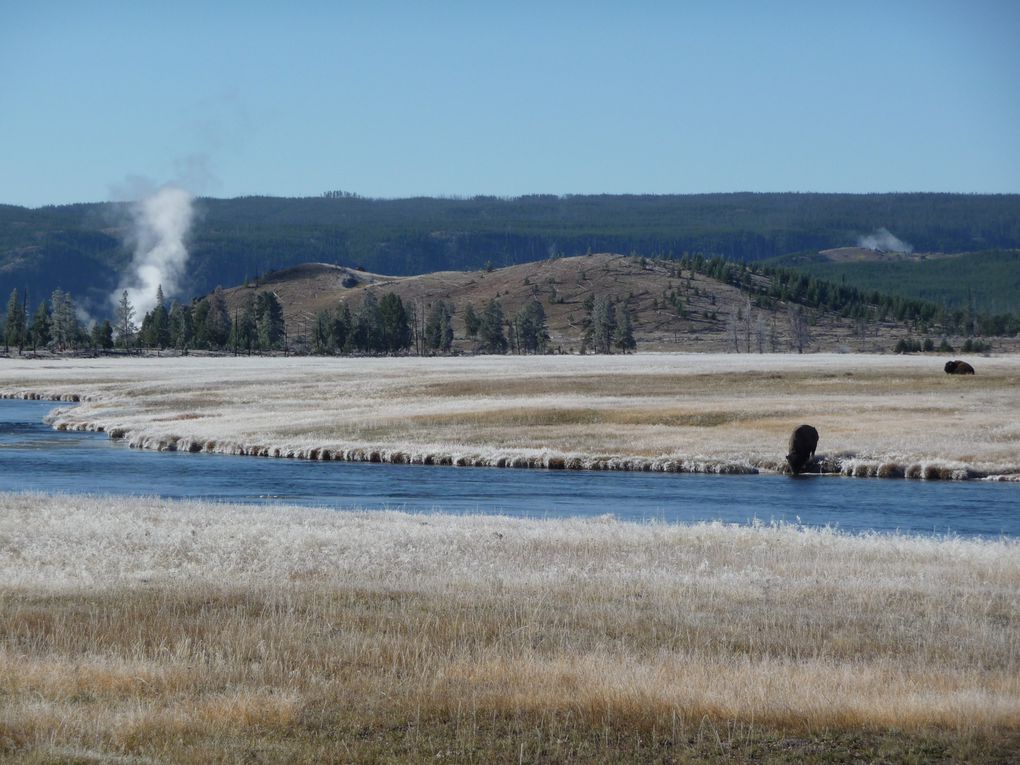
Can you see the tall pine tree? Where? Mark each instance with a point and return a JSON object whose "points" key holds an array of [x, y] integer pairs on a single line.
{"points": [[15, 330]]}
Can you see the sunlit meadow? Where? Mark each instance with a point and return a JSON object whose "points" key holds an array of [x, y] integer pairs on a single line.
{"points": [[142, 630], [192, 632]]}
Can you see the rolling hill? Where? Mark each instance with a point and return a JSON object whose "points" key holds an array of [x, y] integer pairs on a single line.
{"points": [[673, 308]]}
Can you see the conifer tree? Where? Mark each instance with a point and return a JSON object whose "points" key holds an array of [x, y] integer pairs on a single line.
{"points": [[368, 326], [490, 329], [396, 327], [40, 329], [269, 321], [64, 320], [125, 316], [471, 321], [160, 331], [322, 334], [532, 333], [244, 334], [15, 328], [623, 336], [182, 331], [601, 325], [217, 324], [439, 327]]}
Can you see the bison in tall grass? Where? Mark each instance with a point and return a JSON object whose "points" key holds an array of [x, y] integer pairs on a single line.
{"points": [[959, 368], [803, 443]]}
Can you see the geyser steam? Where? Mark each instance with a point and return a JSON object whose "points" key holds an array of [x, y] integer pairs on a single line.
{"points": [[161, 223], [883, 240]]}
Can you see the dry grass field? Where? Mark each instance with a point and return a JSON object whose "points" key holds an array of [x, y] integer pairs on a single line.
{"points": [[877, 415], [147, 631]]}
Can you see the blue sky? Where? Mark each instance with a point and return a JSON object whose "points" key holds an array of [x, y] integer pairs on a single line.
{"points": [[391, 99]]}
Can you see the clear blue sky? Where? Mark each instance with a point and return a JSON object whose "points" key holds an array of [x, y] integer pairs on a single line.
{"points": [[395, 99]]}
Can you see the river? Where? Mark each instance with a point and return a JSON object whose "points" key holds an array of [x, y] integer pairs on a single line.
{"points": [[34, 457]]}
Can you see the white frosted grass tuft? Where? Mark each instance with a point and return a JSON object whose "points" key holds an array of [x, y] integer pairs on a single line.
{"points": [[68, 542]]}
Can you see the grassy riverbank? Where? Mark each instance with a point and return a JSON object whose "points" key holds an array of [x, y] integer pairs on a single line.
{"points": [[877, 415], [153, 631]]}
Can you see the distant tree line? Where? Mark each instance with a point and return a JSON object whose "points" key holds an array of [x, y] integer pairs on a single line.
{"points": [[386, 325], [381, 326], [204, 324], [768, 285], [54, 324]]}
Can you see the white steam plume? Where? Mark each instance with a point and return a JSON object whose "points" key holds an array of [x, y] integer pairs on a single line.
{"points": [[883, 240], [161, 222]]}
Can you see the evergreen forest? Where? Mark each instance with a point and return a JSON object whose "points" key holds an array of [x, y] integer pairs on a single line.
{"points": [[85, 248]]}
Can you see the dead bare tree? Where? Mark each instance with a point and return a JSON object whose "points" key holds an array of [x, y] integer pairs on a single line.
{"points": [[800, 336]]}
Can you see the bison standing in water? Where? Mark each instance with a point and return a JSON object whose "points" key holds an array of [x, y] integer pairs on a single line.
{"points": [[802, 447], [959, 368]]}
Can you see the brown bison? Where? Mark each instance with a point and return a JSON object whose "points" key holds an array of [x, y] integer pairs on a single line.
{"points": [[959, 368], [803, 442]]}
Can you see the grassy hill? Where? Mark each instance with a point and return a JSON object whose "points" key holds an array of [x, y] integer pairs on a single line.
{"points": [[988, 281], [673, 308]]}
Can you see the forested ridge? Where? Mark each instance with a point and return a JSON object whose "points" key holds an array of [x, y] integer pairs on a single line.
{"points": [[82, 248], [980, 282]]}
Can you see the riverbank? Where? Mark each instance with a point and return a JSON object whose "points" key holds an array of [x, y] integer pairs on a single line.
{"points": [[886, 416], [190, 632]]}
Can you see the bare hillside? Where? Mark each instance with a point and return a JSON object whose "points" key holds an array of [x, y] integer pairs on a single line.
{"points": [[672, 308]]}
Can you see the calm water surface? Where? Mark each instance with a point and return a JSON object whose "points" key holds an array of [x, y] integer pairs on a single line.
{"points": [[33, 457]]}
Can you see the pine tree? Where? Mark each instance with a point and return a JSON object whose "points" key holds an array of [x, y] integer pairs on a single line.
{"points": [[15, 332], [343, 329], [96, 336], [40, 329], [623, 336], [490, 329], [126, 328], [439, 327], [182, 331], [160, 331], [395, 323], [368, 326], [244, 333], [472, 322], [64, 320], [269, 321], [217, 324], [199, 317], [322, 334], [145, 333], [601, 325], [532, 333]]}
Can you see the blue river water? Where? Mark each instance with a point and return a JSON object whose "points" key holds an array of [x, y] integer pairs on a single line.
{"points": [[34, 457]]}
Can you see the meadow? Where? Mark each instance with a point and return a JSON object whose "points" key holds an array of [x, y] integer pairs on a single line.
{"points": [[139, 630], [877, 415], [144, 630]]}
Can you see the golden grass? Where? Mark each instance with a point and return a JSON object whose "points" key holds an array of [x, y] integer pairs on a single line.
{"points": [[876, 414], [191, 632]]}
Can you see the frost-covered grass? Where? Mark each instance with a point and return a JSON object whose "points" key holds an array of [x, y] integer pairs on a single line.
{"points": [[877, 415], [191, 632]]}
